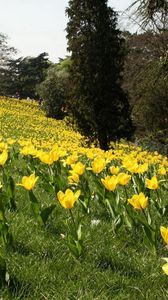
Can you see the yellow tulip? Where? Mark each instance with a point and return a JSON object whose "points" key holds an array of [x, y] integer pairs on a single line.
{"points": [[78, 168], [110, 182], [162, 171], [123, 178], [46, 158], [165, 268], [3, 157], [142, 168], [10, 141], [98, 165], [164, 233], [74, 178], [54, 155], [71, 159], [152, 183], [68, 198], [28, 182], [114, 170], [139, 201]]}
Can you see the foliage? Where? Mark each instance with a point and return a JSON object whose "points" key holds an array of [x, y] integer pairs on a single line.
{"points": [[151, 14], [54, 89], [29, 71], [97, 102], [6, 52], [145, 79]]}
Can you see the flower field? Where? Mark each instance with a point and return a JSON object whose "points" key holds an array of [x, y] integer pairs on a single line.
{"points": [[78, 222]]}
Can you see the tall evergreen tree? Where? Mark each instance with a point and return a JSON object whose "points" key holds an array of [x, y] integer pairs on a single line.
{"points": [[98, 103]]}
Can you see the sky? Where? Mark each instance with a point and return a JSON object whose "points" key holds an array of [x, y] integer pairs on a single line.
{"points": [[36, 26]]}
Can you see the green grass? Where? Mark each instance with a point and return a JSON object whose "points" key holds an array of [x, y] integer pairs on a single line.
{"points": [[39, 263], [112, 267]]}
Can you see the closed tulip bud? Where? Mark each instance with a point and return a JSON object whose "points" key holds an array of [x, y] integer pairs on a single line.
{"points": [[68, 198], [98, 165], [164, 233], [3, 157]]}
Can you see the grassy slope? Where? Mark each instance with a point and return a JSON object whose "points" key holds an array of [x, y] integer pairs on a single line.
{"points": [[40, 266]]}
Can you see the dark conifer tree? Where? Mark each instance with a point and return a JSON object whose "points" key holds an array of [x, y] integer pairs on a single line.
{"points": [[99, 105]]}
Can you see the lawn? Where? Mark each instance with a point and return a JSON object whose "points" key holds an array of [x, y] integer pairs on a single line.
{"points": [[78, 222]]}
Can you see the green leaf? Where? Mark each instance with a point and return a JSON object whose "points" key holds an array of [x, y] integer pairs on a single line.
{"points": [[75, 247], [32, 197], [79, 232], [35, 208], [46, 212], [110, 208], [117, 222]]}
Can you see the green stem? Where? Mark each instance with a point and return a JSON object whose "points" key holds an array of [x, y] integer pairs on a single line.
{"points": [[158, 198], [125, 189], [73, 221]]}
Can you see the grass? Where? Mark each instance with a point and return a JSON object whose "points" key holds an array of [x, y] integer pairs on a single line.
{"points": [[112, 267], [39, 263]]}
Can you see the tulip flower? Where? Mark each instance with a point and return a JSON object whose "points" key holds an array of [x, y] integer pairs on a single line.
{"points": [[78, 168], [68, 198], [74, 178], [123, 178], [165, 268], [98, 165], [164, 233], [46, 158], [114, 170], [139, 201], [152, 183], [110, 182], [28, 182], [162, 170], [3, 157]]}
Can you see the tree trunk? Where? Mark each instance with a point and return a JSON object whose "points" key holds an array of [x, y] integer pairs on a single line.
{"points": [[102, 137]]}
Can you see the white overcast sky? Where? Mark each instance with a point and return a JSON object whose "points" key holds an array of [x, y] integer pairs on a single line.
{"points": [[36, 26]]}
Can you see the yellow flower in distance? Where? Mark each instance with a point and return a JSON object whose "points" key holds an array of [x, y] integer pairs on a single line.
{"points": [[142, 168], [139, 201], [165, 268], [123, 178], [164, 233], [28, 182], [152, 183], [162, 170], [3, 157], [45, 158], [68, 198], [54, 155], [110, 182]]}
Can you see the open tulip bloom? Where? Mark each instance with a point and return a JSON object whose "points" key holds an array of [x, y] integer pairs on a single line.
{"points": [[28, 182], [152, 183], [139, 201]]}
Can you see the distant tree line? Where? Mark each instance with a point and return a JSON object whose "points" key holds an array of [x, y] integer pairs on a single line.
{"points": [[113, 81]]}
